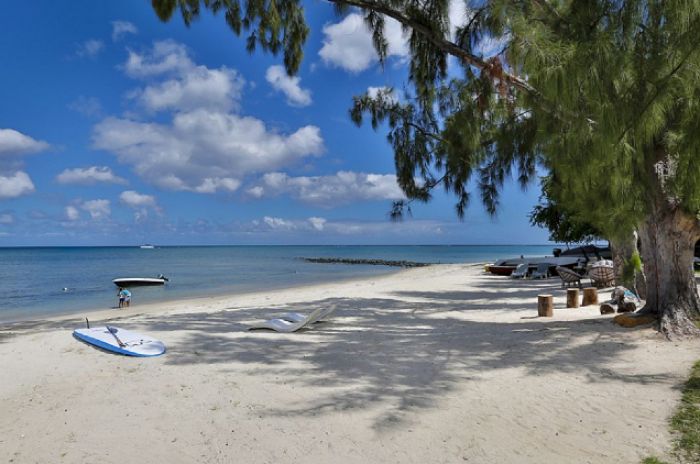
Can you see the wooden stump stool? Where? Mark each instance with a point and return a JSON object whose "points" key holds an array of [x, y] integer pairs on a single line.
{"points": [[572, 297], [545, 305], [590, 296]]}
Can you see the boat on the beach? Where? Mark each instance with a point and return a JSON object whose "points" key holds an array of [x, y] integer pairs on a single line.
{"points": [[585, 251], [140, 281], [505, 267]]}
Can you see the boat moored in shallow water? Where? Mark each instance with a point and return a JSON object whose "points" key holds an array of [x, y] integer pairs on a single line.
{"points": [[140, 281]]}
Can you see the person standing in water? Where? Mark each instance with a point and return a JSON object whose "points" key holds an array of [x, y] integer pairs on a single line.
{"points": [[124, 297]]}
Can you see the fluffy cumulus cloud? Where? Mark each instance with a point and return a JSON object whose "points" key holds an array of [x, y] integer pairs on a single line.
{"points": [[348, 44], [140, 202], [89, 176], [15, 185], [13, 145], [90, 48], [206, 146], [198, 87], [137, 200], [343, 187], [289, 86], [97, 209], [166, 56], [72, 213], [13, 142], [122, 28]]}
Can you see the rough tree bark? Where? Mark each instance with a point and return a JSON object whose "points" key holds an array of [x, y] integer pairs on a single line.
{"points": [[668, 236], [622, 251]]}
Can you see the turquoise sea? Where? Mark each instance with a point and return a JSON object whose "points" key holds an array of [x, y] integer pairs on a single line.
{"points": [[39, 282]]}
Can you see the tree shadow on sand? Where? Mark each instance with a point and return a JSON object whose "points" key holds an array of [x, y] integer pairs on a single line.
{"points": [[405, 354]]}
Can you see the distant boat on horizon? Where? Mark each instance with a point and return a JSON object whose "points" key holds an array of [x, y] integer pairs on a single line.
{"points": [[147, 246]]}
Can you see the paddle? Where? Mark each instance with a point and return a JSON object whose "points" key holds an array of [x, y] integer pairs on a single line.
{"points": [[114, 334]]}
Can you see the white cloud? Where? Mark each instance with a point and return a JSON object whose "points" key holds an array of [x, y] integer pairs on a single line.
{"points": [[317, 223], [13, 142], [122, 28], [207, 147], [348, 44], [89, 176], [187, 86], [279, 80], [72, 213], [197, 87], [88, 106], [137, 200], [16, 185], [6, 218], [322, 226], [343, 187], [203, 151], [390, 96], [97, 209], [165, 56], [279, 223], [90, 48], [141, 203], [256, 192]]}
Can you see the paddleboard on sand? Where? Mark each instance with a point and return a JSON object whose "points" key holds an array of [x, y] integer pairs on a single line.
{"points": [[121, 341]]}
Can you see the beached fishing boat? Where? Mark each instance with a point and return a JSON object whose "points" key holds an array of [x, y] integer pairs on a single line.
{"points": [[140, 281], [505, 267]]}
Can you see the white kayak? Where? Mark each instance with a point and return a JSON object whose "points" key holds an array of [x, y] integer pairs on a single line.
{"points": [[121, 341]]}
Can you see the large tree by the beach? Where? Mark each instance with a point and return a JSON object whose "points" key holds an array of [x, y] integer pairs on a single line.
{"points": [[603, 92]]}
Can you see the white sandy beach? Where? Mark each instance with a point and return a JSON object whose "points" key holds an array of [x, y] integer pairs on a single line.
{"points": [[432, 365]]}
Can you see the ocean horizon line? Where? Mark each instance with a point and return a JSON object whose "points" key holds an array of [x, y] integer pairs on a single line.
{"points": [[2, 247]]}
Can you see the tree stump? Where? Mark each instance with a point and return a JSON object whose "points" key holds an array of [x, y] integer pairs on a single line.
{"points": [[572, 298], [590, 296], [545, 305], [607, 308]]}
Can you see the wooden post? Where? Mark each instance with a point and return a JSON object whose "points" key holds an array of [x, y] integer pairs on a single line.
{"points": [[590, 296], [545, 305], [572, 297]]}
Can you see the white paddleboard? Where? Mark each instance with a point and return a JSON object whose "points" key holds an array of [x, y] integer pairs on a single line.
{"points": [[121, 341]]}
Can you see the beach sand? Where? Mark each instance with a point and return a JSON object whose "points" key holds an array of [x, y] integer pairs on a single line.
{"points": [[432, 365]]}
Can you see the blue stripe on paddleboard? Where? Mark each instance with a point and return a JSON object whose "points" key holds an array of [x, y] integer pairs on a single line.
{"points": [[113, 348]]}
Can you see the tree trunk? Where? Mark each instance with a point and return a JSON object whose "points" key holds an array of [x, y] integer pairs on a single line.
{"points": [[622, 251], [668, 237]]}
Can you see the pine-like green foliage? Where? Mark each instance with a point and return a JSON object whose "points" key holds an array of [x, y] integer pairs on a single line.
{"points": [[273, 25], [564, 226], [625, 76], [614, 93], [599, 92]]}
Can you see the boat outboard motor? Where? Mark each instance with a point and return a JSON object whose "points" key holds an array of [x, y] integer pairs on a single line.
{"points": [[161, 276]]}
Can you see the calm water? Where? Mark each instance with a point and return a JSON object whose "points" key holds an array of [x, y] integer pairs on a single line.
{"points": [[32, 280]]}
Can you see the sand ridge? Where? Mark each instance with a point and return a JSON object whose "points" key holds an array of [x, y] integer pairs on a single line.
{"points": [[437, 364]]}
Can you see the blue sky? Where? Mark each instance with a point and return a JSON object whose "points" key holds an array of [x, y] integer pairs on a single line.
{"points": [[117, 129]]}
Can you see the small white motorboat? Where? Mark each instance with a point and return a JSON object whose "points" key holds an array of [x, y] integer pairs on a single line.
{"points": [[140, 281], [147, 246]]}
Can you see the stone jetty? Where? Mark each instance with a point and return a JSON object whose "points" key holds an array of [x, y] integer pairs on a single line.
{"points": [[373, 262]]}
